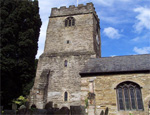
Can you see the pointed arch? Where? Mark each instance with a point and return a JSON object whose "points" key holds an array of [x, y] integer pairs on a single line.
{"points": [[70, 21], [128, 83], [129, 96], [66, 96]]}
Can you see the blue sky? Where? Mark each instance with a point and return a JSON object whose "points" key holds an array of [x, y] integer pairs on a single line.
{"points": [[125, 24]]}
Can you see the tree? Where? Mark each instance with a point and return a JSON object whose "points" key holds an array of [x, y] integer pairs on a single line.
{"points": [[20, 27]]}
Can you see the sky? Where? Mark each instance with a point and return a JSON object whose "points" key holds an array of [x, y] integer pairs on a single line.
{"points": [[125, 25]]}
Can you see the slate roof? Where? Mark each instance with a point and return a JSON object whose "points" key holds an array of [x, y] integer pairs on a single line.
{"points": [[130, 63]]}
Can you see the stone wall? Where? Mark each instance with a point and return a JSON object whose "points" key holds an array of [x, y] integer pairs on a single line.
{"points": [[60, 80], [97, 37], [104, 89], [80, 36], [53, 79]]}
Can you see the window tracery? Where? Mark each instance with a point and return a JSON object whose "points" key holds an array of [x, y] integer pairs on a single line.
{"points": [[129, 96], [70, 21]]}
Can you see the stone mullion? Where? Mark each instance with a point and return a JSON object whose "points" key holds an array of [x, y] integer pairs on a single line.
{"points": [[123, 96], [136, 103], [130, 103], [118, 99], [130, 99]]}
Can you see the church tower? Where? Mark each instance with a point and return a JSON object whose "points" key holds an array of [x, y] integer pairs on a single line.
{"points": [[73, 37]]}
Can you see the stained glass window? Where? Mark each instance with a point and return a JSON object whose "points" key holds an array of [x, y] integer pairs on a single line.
{"points": [[126, 98], [132, 96], [129, 96], [139, 99], [120, 99]]}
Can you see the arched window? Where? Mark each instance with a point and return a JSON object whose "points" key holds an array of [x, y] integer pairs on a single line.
{"points": [[129, 96], [70, 21], [65, 96]]}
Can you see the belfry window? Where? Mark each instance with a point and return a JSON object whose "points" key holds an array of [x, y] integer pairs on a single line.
{"points": [[70, 21], [65, 96], [129, 96]]}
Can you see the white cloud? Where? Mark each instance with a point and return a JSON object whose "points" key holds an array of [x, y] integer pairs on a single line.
{"points": [[144, 50], [109, 2], [125, 0], [112, 55], [143, 38], [108, 19], [111, 33], [143, 19], [135, 39], [105, 2]]}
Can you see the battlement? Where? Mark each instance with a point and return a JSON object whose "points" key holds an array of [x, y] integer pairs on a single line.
{"points": [[72, 10]]}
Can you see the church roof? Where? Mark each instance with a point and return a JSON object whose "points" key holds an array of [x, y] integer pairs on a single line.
{"points": [[118, 64]]}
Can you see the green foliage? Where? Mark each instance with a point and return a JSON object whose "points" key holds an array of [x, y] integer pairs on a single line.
{"points": [[20, 100], [33, 109], [2, 112], [86, 103], [20, 27]]}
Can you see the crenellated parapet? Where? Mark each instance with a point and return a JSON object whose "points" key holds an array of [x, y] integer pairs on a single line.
{"points": [[72, 10]]}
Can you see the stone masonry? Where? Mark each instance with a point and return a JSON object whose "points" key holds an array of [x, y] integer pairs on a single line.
{"points": [[104, 89], [101, 78], [66, 51]]}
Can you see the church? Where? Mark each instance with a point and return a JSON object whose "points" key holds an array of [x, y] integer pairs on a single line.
{"points": [[71, 71]]}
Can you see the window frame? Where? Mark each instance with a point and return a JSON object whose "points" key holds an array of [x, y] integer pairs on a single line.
{"points": [[66, 95], [69, 21], [129, 85]]}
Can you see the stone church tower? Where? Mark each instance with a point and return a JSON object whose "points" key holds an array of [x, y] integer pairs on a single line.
{"points": [[73, 37]]}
